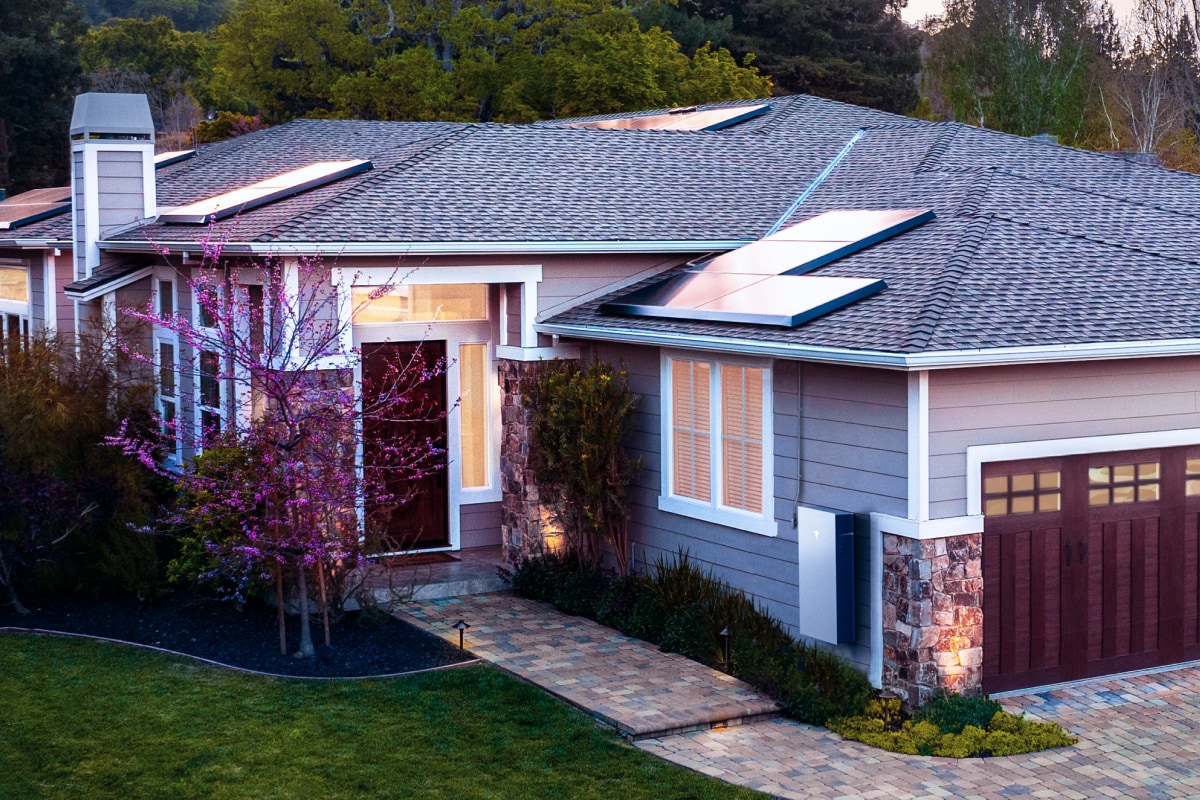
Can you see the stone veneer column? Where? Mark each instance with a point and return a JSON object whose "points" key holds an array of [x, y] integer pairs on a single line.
{"points": [[523, 518], [932, 615]]}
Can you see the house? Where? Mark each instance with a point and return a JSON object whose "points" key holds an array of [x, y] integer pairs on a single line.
{"points": [[1005, 408]]}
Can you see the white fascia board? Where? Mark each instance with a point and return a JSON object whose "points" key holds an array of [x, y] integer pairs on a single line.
{"points": [[945, 359], [335, 249]]}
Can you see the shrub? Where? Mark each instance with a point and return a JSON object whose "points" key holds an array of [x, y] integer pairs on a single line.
{"points": [[953, 712], [828, 687]]}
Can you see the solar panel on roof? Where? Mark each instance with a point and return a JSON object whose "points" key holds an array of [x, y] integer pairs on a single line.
{"points": [[263, 192], [683, 119], [33, 206], [763, 283]]}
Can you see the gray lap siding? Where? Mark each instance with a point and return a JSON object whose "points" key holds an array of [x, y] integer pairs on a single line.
{"points": [[854, 466]]}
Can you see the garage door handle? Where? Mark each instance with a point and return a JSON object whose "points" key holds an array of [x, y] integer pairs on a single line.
{"points": [[1068, 549], [1082, 551]]}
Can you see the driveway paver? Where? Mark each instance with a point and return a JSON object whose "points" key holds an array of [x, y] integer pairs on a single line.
{"points": [[1139, 736]]}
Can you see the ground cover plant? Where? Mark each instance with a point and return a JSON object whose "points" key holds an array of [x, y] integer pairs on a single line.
{"points": [[87, 719], [684, 609]]}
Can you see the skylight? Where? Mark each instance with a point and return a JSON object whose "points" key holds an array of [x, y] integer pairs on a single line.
{"points": [[764, 283], [33, 206], [171, 157], [263, 192], [681, 119]]}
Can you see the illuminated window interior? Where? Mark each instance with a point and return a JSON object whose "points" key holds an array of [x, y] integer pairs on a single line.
{"points": [[14, 284], [441, 302], [1023, 493], [473, 410]]}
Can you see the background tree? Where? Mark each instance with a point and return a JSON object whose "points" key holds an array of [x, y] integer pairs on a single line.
{"points": [[282, 489], [856, 51], [187, 15], [39, 77]]}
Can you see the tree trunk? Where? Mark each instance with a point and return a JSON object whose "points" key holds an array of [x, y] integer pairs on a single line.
{"points": [[306, 644], [6, 573], [279, 605], [324, 601]]}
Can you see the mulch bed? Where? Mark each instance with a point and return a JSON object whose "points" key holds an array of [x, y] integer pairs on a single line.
{"points": [[363, 643]]}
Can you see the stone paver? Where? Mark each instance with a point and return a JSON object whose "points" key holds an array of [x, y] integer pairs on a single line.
{"points": [[1139, 736], [627, 683]]}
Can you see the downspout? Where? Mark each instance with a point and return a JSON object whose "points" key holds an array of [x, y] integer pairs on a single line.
{"points": [[812, 187]]}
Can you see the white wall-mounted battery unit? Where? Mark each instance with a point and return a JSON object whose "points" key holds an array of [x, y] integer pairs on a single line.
{"points": [[826, 574]]}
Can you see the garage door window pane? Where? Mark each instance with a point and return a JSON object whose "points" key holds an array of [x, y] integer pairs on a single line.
{"points": [[1022, 493], [1050, 502], [1022, 504], [1193, 476], [1124, 483]]}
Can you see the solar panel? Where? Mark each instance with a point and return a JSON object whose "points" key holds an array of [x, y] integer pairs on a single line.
{"points": [[34, 205], [678, 292], [763, 283], [263, 192], [682, 119], [787, 300]]}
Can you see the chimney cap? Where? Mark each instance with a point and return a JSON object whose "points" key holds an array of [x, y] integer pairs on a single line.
{"points": [[111, 115]]}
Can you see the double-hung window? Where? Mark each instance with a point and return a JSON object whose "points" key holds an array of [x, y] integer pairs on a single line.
{"points": [[166, 364], [14, 307], [717, 441]]}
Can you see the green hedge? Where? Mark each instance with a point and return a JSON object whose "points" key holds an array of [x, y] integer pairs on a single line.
{"points": [[682, 609]]}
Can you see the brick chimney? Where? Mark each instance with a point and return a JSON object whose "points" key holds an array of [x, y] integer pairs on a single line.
{"points": [[112, 170]]}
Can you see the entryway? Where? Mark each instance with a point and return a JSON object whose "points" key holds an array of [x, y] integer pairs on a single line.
{"points": [[1090, 565]]}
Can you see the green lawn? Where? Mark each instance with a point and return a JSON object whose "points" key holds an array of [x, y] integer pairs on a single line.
{"points": [[86, 719]]}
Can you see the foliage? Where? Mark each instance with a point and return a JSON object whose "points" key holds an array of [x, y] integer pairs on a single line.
{"points": [[1003, 734], [39, 77], [86, 719], [186, 15], [491, 60], [830, 687], [856, 51], [1023, 67], [952, 712], [581, 420], [226, 125], [66, 500], [283, 492]]}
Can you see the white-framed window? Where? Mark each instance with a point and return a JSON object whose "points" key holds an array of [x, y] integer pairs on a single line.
{"points": [[717, 441], [166, 366], [15, 293], [209, 394]]}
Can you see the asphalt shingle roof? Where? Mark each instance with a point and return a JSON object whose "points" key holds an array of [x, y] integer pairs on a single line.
{"points": [[1033, 244]]}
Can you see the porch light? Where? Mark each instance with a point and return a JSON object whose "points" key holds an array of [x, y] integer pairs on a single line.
{"points": [[461, 627]]}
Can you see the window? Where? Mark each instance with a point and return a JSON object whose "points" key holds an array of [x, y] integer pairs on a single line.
{"points": [[1123, 483], [1023, 493], [1193, 477], [473, 414], [14, 284], [717, 438], [449, 302], [209, 386]]}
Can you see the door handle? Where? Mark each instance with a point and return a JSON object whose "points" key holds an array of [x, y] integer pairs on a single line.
{"points": [[1082, 551], [1068, 549]]}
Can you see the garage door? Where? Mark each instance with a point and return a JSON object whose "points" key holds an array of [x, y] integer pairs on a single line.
{"points": [[1090, 565]]}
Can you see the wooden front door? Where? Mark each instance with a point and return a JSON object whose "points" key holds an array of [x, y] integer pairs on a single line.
{"points": [[418, 514], [1083, 564]]}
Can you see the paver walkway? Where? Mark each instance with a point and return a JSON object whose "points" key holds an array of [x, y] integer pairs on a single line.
{"points": [[625, 682], [1139, 736]]}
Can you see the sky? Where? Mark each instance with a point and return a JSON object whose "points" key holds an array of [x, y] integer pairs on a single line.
{"points": [[919, 9]]}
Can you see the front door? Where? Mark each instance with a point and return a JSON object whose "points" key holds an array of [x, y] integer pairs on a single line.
{"points": [[416, 515]]}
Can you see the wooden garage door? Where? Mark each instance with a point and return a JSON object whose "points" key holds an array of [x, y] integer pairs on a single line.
{"points": [[1090, 566]]}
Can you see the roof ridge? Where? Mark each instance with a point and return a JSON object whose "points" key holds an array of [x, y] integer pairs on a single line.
{"points": [[940, 145], [790, 109], [373, 176], [1131, 200], [946, 285], [1095, 240]]}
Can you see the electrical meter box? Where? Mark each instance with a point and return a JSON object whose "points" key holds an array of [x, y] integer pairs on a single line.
{"points": [[826, 574]]}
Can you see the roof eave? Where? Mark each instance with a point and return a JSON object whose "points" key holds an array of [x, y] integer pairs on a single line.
{"points": [[941, 359], [437, 248]]}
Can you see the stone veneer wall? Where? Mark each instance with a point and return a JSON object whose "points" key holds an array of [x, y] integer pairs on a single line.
{"points": [[932, 615], [524, 521]]}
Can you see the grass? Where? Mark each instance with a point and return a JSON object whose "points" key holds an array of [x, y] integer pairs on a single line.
{"points": [[88, 719]]}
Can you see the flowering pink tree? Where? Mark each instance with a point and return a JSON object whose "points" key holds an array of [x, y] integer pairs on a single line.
{"points": [[289, 490]]}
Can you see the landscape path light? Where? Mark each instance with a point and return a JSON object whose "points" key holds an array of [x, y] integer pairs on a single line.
{"points": [[461, 627]]}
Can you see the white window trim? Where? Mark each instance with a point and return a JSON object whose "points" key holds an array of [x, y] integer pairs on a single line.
{"points": [[764, 523], [198, 407]]}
